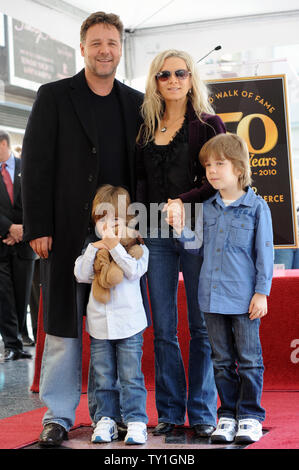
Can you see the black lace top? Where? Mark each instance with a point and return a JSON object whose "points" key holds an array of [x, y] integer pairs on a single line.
{"points": [[167, 167]]}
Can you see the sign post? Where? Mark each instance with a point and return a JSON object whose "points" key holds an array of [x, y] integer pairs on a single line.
{"points": [[35, 58]]}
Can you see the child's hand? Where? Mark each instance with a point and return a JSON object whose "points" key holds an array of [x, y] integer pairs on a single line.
{"points": [[175, 214], [100, 245], [258, 306], [112, 232]]}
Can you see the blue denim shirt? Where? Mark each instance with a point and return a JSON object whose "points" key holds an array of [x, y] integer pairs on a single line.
{"points": [[237, 253]]}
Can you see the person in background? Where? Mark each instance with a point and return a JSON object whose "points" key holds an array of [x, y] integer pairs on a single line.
{"points": [[178, 120], [235, 280], [87, 126], [17, 150], [16, 256]]}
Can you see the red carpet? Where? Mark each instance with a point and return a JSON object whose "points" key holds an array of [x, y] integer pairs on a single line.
{"points": [[279, 336], [282, 422], [23, 429]]}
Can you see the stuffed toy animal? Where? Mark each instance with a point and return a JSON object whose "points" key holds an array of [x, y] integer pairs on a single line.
{"points": [[107, 273]]}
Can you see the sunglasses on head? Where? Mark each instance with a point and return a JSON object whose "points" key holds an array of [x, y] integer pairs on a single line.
{"points": [[166, 74]]}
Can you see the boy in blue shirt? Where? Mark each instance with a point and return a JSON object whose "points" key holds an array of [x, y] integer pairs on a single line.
{"points": [[235, 280]]}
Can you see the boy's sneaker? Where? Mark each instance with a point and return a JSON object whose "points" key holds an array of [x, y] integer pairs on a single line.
{"points": [[136, 434], [105, 430], [249, 430], [225, 431]]}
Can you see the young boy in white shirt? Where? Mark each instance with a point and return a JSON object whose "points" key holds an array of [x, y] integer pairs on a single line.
{"points": [[116, 327]]}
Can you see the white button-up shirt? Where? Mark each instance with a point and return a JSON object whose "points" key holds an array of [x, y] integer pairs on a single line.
{"points": [[123, 315]]}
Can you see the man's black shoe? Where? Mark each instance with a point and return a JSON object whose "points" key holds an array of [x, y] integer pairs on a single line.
{"points": [[13, 355], [52, 435]]}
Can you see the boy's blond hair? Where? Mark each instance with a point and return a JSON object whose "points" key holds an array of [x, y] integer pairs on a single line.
{"points": [[233, 148], [110, 195]]}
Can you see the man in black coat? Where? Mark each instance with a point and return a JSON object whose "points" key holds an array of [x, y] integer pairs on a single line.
{"points": [[16, 257], [81, 134]]}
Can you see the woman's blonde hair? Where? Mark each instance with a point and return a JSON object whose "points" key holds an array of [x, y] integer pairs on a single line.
{"points": [[153, 105], [116, 198], [233, 148]]}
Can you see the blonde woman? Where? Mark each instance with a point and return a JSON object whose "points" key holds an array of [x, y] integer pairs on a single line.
{"points": [[178, 120]]}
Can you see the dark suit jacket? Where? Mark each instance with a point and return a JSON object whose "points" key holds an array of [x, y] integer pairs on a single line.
{"points": [[60, 168], [12, 214]]}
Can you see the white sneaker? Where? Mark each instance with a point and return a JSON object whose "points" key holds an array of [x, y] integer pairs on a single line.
{"points": [[249, 430], [136, 433], [105, 430], [225, 431]]}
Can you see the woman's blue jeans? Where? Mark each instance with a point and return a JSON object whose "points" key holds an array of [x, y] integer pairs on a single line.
{"points": [[119, 389], [166, 257], [238, 364]]}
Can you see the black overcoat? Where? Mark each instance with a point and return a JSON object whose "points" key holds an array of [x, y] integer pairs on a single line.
{"points": [[60, 169]]}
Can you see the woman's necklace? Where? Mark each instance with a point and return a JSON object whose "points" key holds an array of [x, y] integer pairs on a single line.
{"points": [[164, 128]]}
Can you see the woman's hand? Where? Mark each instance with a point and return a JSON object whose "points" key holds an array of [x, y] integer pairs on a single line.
{"points": [[175, 214]]}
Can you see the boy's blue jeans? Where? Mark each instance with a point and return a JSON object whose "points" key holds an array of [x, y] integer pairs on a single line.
{"points": [[119, 390], [238, 364]]}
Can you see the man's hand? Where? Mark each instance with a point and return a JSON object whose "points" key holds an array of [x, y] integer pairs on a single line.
{"points": [[9, 240], [16, 232], [41, 246], [258, 306], [175, 214]]}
